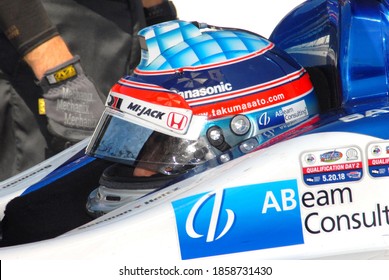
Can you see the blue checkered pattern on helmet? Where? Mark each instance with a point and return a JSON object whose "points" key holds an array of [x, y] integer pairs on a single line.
{"points": [[177, 44]]}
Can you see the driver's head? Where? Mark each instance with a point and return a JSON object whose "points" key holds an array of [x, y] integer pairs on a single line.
{"points": [[197, 93], [202, 93]]}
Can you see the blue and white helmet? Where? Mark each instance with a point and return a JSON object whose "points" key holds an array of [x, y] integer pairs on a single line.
{"points": [[199, 93]]}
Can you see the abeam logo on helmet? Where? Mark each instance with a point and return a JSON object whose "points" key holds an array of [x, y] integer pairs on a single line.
{"points": [[205, 91]]}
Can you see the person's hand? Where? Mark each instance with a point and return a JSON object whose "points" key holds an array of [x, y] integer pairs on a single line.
{"points": [[72, 103]]}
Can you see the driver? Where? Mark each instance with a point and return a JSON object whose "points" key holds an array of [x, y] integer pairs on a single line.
{"points": [[200, 96]]}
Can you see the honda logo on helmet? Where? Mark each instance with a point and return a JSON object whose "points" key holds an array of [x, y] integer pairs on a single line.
{"points": [[177, 121]]}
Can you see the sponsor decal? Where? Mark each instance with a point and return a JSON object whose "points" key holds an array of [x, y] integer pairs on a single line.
{"points": [[114, 101], [264, 119], [354, 174], [143, 111], [206, 91], [239, 219], [170, 118], [352, 154], [331, 156], [260, 97], [177, 121], [349, 214], [310, 159], [295, 112], [378, 159], [272, 215], [332, 166]]}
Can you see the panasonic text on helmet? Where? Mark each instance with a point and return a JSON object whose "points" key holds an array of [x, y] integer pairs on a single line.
{"points": [[220, 88]]}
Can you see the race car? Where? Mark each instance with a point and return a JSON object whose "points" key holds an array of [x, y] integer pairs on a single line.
{"points": [[247, 148]]}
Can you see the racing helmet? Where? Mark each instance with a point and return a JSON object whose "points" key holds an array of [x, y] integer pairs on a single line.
{"points": [[202, 94]]}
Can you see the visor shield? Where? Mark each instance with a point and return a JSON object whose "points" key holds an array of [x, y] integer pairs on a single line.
{"points": [[123, 140]]}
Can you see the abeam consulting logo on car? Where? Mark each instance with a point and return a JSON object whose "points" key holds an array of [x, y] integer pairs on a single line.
{"points": [[239, 219]]}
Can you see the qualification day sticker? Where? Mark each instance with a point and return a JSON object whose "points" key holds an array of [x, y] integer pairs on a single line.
{"points": [[332, 166], [378, 159]]}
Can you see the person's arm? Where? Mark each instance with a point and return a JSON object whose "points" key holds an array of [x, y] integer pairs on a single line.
{"points": [[71, 101], [26, 24], [47, 56], [157, 11], [150, 3], [29, 29]]}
